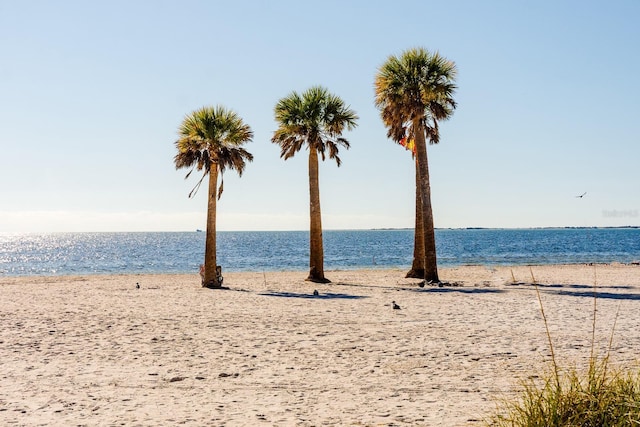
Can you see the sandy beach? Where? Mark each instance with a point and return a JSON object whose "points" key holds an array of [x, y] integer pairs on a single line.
{"points": [[94, 350]]}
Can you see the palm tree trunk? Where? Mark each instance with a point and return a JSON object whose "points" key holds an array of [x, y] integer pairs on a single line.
{"points": [[210, 262], [430, 261], [417, 268], [316, 250]]}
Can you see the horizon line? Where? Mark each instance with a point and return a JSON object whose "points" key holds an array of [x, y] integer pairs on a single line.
{"points": [[566, 227]]}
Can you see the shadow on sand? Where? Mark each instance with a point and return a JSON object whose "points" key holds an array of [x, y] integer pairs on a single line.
{"points": [[585, 291], [458, 289], [556, 286], [311, 296], [600, 295], [414, 287]]}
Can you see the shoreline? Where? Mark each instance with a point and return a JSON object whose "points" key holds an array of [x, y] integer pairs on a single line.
{"points": [[401, 270], [94, 350]]}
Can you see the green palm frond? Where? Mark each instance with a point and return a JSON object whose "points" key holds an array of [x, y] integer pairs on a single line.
{"points": [[315, 118], [417, 84], [212, 137]]}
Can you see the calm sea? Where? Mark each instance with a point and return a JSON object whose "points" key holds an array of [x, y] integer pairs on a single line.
{"points": [[104, 253]]}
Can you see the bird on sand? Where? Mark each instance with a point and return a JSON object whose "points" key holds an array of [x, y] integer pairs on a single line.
{"points": [[395, 306], [581, 196]]}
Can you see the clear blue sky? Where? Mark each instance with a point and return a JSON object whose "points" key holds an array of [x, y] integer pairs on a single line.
{"points": [[92, 93]]}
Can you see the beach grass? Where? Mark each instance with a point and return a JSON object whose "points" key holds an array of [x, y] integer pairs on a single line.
{"points": [[601, 396], [597, 396]]}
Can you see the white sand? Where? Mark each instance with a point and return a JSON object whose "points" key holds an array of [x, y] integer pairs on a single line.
{"points": [[94, 350]]}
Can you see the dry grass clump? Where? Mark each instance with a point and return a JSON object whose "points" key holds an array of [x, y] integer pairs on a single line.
{"points": [[599, 396]]}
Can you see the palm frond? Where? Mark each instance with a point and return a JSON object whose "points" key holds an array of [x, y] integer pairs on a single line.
{"points": [[221, 187], [314, 118], [195, 189], [417, 84], [212, 135]]}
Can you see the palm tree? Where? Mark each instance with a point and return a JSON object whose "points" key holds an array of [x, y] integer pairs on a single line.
{"points": [[417, 266], [315, 119], [413, 92], [210, 141]]}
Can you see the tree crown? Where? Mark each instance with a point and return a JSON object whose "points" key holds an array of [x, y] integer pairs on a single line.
{"points": [[418, 85], [212, 136], [316, 118]]}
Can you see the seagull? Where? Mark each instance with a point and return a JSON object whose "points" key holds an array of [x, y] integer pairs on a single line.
{"points": [[395, 306], [581, 196]]}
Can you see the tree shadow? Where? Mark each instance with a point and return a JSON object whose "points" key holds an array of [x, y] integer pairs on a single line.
{"points": [[570, 286], [458, 289], [600, 295], [415, 287], [325, 296], [576, 290]]}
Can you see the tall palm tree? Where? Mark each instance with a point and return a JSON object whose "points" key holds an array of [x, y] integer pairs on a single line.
{"points": [[417, 266], [413, 92], [315, 119], [211, 140]]}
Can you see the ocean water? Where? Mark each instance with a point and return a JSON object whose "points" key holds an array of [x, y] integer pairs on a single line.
{"points": [[107, 253]]}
